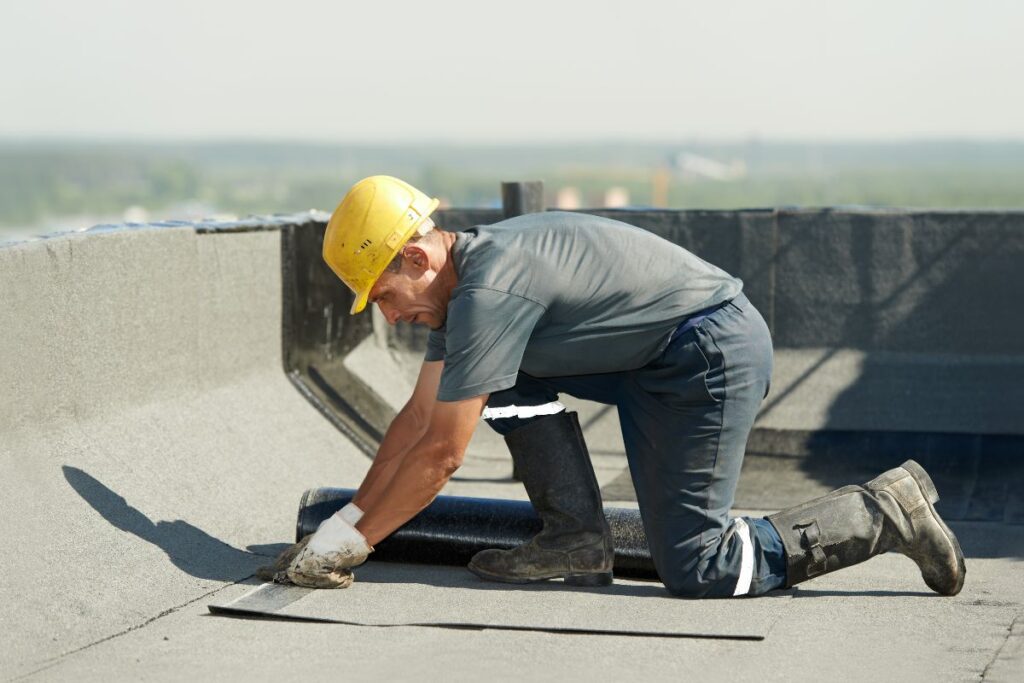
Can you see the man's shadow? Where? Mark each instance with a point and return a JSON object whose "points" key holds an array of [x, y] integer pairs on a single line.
{"points": [[189, 548]]}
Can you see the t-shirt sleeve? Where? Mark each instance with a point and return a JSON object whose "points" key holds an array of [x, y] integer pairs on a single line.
{"points": [[487, 333], [435, 345]]}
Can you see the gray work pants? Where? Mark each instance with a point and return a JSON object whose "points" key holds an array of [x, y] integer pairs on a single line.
{"points": [[685, 419]]}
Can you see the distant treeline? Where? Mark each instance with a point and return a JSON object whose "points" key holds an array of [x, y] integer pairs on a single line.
{"points": [[40, 181]]}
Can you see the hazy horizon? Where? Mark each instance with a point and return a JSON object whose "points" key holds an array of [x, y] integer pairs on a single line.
{"points": [[58, 185]]}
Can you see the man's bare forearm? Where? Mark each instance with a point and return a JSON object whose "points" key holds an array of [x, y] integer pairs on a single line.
{"points": [[420, 474], [415, 481], [404, 431]]}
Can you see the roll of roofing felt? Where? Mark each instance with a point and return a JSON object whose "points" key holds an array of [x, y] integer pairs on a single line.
{"points": [[452, 529]]}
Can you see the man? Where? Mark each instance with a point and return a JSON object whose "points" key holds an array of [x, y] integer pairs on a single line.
{"points": [[552, 303]]}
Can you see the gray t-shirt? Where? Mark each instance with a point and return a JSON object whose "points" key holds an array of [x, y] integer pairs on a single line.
{"points": [[556, 294]]}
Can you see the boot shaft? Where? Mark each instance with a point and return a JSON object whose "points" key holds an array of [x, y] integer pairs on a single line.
{"points": [[575, 543], [892, 512], [552, 459], [837, 530]]}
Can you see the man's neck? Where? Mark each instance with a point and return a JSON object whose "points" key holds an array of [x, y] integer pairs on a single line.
{"points": [[447, 277]]}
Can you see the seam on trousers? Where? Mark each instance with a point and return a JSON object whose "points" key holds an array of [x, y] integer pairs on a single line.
{"points": [[721, 428]]}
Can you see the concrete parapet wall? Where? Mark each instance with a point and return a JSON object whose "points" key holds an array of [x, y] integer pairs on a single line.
{"points": [[149, 439], [101, 322]]}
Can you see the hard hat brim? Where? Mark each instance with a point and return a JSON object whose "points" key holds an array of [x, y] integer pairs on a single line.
{"points": [[359, 303]]}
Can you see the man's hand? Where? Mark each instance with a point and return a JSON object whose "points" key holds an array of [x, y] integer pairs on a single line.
{"points": [[335, 547], [278, 572]]}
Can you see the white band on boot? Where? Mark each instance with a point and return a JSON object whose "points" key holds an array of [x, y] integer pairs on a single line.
{"points": [[522, 412]]}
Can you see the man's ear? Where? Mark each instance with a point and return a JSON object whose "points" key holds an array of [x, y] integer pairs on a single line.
{"points": [[417, 257]]}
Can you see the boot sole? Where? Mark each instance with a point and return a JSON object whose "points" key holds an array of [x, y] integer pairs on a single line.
{"points": [[932, 496], [593, 579]]}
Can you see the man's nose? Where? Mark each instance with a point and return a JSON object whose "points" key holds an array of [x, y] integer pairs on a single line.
{"points": [[390, 314]]}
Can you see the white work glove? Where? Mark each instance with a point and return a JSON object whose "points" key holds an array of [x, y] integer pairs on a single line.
{"points": [[336, 545], [350, 513]]}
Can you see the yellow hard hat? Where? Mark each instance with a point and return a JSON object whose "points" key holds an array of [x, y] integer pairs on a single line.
{"points": [[373, 222]]}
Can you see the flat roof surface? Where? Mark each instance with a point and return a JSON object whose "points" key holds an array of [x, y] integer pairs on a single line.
{"points": [[156, 455]]}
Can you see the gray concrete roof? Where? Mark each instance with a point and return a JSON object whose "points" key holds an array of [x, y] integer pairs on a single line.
{"points": [[152, 455]]}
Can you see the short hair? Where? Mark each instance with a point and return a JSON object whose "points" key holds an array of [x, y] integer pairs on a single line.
{"points": [[425, 229]]}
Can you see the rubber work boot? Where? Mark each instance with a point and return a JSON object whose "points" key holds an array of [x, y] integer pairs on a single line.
{"points": [[894, 511], [575, 543]]}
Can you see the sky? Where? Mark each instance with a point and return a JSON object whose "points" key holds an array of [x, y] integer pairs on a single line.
{"points": [[396, 71]]}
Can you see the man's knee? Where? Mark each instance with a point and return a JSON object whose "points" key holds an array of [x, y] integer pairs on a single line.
{"points": [[678, 566], [739, 567], [687, 585], [698, 568]]}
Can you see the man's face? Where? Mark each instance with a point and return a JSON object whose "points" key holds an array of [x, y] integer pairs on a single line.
{"points": [[406, 295]]}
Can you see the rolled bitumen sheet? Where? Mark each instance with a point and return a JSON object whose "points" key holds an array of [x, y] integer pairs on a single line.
{"points": [[453, 528]]}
